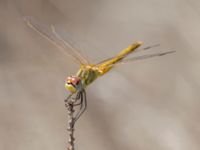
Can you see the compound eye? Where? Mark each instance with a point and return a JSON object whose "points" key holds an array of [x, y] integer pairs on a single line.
{"points": [[72, 83], [73, 80]]}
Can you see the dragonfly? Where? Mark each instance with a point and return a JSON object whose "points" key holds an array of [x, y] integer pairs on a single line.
{"points": [[88, 72]]}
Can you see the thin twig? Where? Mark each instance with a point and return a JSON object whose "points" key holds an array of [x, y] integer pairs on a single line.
{"points": [[70, 103], [70, 108]]}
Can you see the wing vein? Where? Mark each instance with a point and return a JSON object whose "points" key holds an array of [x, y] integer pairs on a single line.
{"points": [[52, 36]]}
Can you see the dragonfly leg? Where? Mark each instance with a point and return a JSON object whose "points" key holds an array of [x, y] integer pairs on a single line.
{"points": [[79, 99], [78, 96], [74, 99], [83, 103]]}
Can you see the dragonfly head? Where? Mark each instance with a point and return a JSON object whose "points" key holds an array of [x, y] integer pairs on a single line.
{"points": [[73, 84]]}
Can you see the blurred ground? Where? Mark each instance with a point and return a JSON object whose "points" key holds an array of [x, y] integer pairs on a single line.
{"points": [[151, 104]]}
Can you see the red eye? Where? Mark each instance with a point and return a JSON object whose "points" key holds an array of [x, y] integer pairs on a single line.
{"points": [[73, 80]]}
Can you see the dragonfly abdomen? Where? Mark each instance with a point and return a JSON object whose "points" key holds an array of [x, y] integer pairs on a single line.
{"points": [[106, 65]]}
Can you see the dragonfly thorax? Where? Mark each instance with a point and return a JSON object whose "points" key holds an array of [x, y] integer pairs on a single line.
{"points": [[73, 84]]}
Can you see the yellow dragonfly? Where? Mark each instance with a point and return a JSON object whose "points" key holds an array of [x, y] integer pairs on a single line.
{"points": [[88, 72]]}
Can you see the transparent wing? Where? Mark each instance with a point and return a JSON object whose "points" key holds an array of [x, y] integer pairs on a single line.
{"points": [[147, 48], [50, 33], [147, 56]]}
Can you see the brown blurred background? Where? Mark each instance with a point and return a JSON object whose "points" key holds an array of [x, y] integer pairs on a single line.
{"points": [[151, 104]]}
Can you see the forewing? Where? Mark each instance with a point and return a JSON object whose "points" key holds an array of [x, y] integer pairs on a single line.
{"points": [[50, 33]]}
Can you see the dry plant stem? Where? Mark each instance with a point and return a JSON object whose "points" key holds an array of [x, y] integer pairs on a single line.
{"points": [[70, 109]]}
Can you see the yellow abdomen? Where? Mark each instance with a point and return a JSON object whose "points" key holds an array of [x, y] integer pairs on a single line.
{"points": [[108, 64]]}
